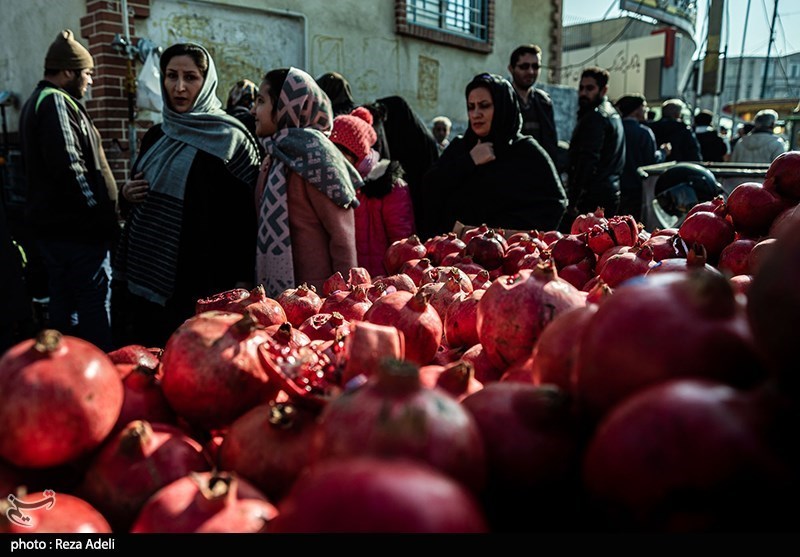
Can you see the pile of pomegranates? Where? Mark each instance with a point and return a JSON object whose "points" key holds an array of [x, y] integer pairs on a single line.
{"points": [[612, 379]]}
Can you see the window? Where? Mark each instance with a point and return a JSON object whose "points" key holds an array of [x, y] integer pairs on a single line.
{"points": [[462, 23]]}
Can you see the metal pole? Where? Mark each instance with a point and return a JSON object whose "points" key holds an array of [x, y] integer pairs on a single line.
{"points": [[130, 84], [739, 70], [769, 48]]}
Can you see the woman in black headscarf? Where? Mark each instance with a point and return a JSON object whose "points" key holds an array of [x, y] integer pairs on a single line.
{"points": [[338, 90], [493, 174]]}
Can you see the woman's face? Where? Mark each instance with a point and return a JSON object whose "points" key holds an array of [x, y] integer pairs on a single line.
{"points": [[262, 110], [183, 81], [480, 110]]}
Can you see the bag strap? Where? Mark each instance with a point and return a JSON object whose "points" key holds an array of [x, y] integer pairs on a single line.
{"points": [[47, 91]]}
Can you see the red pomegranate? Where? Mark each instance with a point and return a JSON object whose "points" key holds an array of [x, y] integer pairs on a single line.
{"points": [[325, 326], [664, 326], [393, 416], [368, 344], [516, 309], [686, 456], [351, 303], [533, 452], [487, 250], [773, 307], [456, 377], [461, 320], [712, 230], [60, 396], [270, 446], [136, 463], [584, 222], [485, 370], [144, 399], [334, 283], [401, 251], [759, 253], [784, 172], [299, 303], [415, 317], [733, 259], [264, 309], [666, 246], [205, 503], [400, 281], [380, 496], [228, 300], [212, 374], [753, 208], [48, 512], [135, 354], [570, 250], [439, 246]]}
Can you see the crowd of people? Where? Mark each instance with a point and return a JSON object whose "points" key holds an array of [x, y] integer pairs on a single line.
{"points": [[292, 180]]}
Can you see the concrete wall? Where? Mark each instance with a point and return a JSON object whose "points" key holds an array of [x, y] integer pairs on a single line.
{"points": [[354, 37]]}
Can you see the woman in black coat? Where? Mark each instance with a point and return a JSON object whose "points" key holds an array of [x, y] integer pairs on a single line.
{"points": [[493, 174]]}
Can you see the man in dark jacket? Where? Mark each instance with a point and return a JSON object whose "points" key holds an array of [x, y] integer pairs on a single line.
{"points": [[640, 150], [596, 151], [71, 196], [534, 103], [673, 130], [712, 146]]}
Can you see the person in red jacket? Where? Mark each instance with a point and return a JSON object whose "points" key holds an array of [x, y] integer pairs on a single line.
{"points": [[385, 212]]}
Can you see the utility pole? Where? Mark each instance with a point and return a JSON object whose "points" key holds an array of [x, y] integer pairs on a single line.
{"points": [[739, 70], [769, 48]]}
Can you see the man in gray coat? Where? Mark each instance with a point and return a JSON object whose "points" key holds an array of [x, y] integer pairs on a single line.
{"points": [[761, 144]]}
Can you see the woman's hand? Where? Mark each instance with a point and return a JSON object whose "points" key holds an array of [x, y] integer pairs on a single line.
{"points": [[135, 190], [482, 153]]}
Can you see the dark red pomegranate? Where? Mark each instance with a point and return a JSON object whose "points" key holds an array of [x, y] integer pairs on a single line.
{"points": [[784, 172], [533, 453], [753, 208], [485, 370], [400, 281], [351, 303], [334, 283], [487, 249], [516, 309], [584, 222], [439, 246], [205, 503], [144, 399], [136, 463], [461, 320], [393, 416], [264, 309], [733, 259], [135, 354], [415, 317], [661, 327], [712, 230], [212, 374], [686, 456], [380, 496], [325, 326], [270, 446], [456, 377], [368, 344], [48, 512], [60, 396]]}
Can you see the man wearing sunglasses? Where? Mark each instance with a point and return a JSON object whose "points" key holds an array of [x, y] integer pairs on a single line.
{"points": [[534, 103]]}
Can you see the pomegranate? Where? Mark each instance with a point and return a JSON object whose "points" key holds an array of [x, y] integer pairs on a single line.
{"points": [[229, 300], [400, 281], [358, 275], [532, 453], [205, 503], [334, 283], [712, 230], [401, 251], [352, 303], [269, 446], [487, 250], [661, 327], [481, 280], [666, 246], [212, 374], [554, 354], [439, 246], [299, 303], [783, 221], [393, 416], [758, 253], [325, 326], [135, 354], [773, 307], [136, 463], [144, 399], [584, 222], [415, 317], [60, 396], [570, 250], [368, 344], [461, 320], [733, 259], [695, 260], [784, 173], [456, 377], [48, 512], [287, 335], [753, 208], [516, 309], [686, 456], [381, 496], [485, 370], [264, 309]]}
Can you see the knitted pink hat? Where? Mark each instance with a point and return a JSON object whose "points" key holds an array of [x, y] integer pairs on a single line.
{"points": [[354, 131]]}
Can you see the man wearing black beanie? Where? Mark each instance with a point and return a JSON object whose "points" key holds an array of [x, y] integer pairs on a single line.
{"points": [[71, 196]]}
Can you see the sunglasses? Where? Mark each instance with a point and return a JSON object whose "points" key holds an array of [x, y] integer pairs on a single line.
{"points": [[527, 66]]}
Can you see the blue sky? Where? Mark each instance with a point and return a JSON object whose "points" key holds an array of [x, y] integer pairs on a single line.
{"points": [[786, 38]]}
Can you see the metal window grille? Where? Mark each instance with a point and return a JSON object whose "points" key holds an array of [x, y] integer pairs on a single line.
{"points": [[458, 17]]}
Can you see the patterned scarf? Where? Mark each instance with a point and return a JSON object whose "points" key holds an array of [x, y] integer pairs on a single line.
{"points": [[301, 145], [147, 256]]}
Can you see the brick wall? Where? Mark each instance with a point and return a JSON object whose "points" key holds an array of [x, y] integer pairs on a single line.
{"points": [[109, 104]]}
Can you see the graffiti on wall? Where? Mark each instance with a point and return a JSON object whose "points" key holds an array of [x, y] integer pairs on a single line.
{"points": [[428, 80]]}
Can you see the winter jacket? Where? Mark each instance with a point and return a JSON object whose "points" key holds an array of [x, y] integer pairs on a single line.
{"points": [[596, 159], [385, 214], [712, 147], [322, 234], [758, 146], [684, 143], [539, 122], [519, 190], [69, 196]]}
